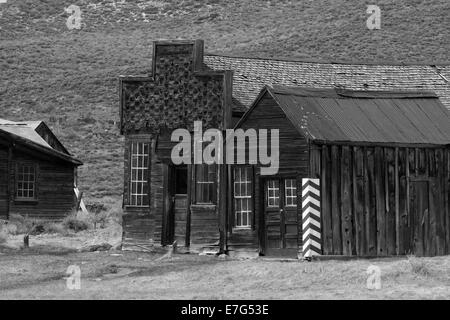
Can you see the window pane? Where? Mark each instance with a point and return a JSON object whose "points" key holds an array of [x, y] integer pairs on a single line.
{"points": [[26, 178], [205, 183], [243, 196], [139, 174], [273, 193]]}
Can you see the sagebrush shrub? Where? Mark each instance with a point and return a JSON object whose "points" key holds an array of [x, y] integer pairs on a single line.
{"points": [[75, 224]]}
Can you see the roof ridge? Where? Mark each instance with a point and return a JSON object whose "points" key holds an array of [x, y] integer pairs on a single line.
{"points": [[351, 93], [319, 61]]}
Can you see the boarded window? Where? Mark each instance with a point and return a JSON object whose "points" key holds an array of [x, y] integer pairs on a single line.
{"points": [[243, 205], [26, 181], [205, 190], [139, 174]]}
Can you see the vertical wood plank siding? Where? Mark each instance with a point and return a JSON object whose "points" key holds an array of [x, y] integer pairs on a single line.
{"points": [[379, 200], [294, 162], [3, 183]]}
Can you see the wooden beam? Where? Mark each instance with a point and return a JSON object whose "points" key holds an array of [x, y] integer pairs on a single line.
{"points": [[335, 199], [378, 144], [8, 181], [397, 203], [390, 189], [190, 181], [380, 201], [166, 206], [222, 207], [346, 208], [327, 229]]}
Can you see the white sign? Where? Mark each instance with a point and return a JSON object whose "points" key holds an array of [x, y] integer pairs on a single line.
{"points": [[374, 21]]}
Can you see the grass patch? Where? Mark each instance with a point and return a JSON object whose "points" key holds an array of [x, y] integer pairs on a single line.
{"points": [[3, 236], [56, 228], [76, 223], [419, 266]]}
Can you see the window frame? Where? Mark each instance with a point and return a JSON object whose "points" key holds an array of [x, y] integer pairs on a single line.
{"points": [[140, 183], [35, 167], [290, 196], [275, 196], [248, 182], [212, 182]]}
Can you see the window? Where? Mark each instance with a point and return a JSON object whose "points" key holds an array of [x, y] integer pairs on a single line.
{"points": [[139, 174], [205, 191], [243, 197], [273, 193], [290, 188], [26, 182]]}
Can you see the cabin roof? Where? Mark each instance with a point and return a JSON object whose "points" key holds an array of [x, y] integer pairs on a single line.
{"points": [[336, 115], [252, 73], [24, 132]]}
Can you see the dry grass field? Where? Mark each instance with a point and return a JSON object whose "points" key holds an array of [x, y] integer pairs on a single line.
{"points": [[40, 273], [68, 78]]}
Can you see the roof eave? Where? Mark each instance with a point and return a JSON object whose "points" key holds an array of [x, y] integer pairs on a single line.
{"points": [[31, 144]]}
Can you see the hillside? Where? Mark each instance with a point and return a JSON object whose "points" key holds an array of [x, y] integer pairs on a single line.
{"points": [[68, 78]]}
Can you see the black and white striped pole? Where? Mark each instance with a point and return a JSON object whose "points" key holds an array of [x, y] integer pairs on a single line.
{"points": [[311, 218]]}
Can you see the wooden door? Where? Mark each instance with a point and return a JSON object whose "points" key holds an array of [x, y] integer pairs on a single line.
{"points": [[280, 210]]}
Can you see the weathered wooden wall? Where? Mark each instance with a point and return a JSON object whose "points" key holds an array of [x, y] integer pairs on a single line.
{"points": [[54, 183], [293, 163], [3, 183], [379, 200], [142, 226]]}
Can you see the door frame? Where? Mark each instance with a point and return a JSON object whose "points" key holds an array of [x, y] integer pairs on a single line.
{"points": [[169, 181], [262, 233]]}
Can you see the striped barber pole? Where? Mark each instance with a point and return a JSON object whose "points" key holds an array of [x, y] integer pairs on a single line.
{"points": [[311, 218]]}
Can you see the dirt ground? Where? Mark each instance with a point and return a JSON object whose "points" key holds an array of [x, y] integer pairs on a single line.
{"points": [[40, 272]]}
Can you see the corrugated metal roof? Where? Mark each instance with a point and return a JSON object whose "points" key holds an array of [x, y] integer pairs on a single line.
{"points": [[365, 116]]}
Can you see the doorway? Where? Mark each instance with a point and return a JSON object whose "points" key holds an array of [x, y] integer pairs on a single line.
{"points": [[176, 204], [280, 217]]}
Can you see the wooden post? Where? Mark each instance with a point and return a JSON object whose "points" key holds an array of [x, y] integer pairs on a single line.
{"points": [[222, 207], [346, 205], [325, 195], [335, 199], [397, 202], [8, 182], [190, 181], [312, 243]]}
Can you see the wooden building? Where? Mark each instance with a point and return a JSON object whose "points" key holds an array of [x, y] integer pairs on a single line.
{"points": [[220, 208], [164, 202], [383, 162], [37, 173]]}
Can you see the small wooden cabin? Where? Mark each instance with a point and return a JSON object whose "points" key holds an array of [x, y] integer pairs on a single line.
{"points": [[383, 162], [37, 173]]}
